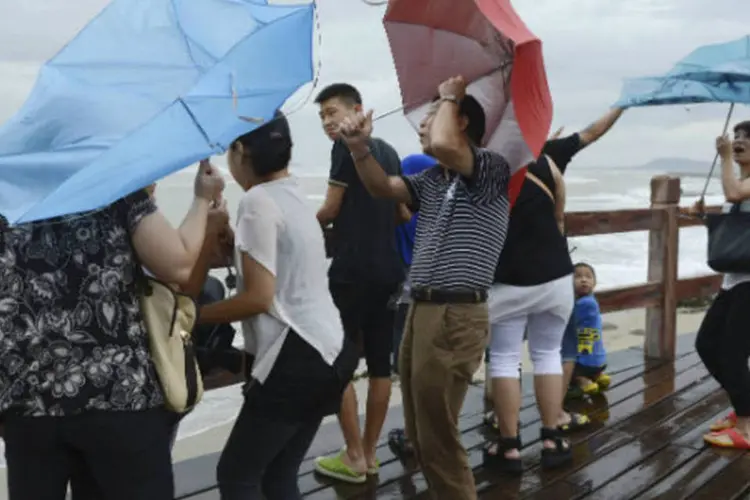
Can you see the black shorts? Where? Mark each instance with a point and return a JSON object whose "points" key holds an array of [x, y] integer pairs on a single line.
{"points": [[368, 318], [590, 372]]}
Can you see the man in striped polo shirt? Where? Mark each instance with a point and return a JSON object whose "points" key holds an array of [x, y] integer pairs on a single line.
{"points": [[463, 210]]}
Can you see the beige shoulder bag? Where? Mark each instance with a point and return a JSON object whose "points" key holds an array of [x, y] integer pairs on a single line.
{"points": [[169, 317]]}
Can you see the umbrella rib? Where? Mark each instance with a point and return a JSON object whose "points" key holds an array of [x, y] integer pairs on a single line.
{"points": [[195, 121]]}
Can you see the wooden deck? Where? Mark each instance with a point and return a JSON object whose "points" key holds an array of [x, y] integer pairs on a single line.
{"points": [[645, 442]]}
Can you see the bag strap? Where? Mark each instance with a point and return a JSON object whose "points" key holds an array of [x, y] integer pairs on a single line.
{"points": [[533, 178]]}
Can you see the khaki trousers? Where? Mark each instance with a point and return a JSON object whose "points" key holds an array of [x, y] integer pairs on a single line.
{"points": [[442, 348]]}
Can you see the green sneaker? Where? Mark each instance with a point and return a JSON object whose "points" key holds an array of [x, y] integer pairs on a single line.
{"points": [[335, 468]]}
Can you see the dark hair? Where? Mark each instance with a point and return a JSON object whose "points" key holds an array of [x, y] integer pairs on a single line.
{"points": [[743, 127], [269, 146], [347, 93], [587, 266], [470, 109]]}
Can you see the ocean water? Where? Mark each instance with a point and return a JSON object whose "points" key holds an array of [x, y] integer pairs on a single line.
{"points": [[618, 259]]}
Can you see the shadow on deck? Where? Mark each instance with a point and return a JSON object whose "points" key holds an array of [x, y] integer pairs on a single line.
{"points": [[645, 442]]}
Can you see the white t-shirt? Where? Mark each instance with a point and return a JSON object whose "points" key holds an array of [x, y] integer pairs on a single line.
{"points": [[733, 279], [278, 228]]}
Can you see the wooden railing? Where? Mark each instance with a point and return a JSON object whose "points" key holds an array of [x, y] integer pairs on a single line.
{"points": [[661, 292], [663, 289]]}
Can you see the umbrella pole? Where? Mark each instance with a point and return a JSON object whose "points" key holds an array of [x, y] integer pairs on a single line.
{"points": [[716, 157]]}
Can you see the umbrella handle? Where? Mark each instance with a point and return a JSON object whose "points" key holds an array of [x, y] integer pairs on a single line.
{"points": [[716, 157]]}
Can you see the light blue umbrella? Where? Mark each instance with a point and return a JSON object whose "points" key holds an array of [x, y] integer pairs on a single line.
{"points": [[712, 73], [147, 88]]}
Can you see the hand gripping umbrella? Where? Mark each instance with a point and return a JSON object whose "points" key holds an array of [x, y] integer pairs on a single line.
{"points": [[487, 43], [147, 88]]}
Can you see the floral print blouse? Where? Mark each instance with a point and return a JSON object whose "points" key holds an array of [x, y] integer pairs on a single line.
{"points": [[71, 334]]}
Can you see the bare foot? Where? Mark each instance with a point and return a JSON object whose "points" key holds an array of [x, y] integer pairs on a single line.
{"points": [[357, 464], [513, 454]]}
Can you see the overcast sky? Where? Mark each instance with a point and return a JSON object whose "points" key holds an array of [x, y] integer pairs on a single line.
{"points": [[589, 47]]}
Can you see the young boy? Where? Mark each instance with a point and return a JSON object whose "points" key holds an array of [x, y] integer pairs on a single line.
{"points": [[589, 376]]}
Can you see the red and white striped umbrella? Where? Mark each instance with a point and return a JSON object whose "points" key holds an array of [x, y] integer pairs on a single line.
{"points": [[487, 43]]}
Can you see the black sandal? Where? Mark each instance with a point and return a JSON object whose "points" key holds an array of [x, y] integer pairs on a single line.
{"points": [[559, 456], [399, 444], [496, 458]]}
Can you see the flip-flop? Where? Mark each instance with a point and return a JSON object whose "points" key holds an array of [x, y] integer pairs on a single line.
{"points": [[335, 468], [577, 421], [725, 423], [736, 440]]}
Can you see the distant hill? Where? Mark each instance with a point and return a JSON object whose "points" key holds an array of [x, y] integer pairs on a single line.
{"points": [[680, 166]]}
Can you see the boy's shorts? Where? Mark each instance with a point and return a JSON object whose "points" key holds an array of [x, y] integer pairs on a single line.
{"points": [[589, 372]]}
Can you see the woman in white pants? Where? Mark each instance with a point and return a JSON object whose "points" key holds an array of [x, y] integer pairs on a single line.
{"points": [[533, 296]]}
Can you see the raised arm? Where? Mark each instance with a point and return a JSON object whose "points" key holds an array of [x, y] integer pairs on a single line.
{"points": [[596, 130], [257, 241], [736, 190], [356, 133], [169, 253], [447, 140]]}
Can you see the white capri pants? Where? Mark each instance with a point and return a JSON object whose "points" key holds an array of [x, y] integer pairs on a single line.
{"points": [[540, 311]]}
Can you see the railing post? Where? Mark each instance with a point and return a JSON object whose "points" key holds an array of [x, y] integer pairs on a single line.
{"points": [[663, 251]]}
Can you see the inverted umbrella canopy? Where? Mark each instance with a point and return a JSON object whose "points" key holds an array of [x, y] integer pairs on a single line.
{"points": [[712, 73], [147, 88], [487, 43]]}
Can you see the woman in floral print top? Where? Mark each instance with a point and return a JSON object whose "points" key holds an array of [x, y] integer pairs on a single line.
{"points": [[77, 385]]}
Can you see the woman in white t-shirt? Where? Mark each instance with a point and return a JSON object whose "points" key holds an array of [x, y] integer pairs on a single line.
{"points": [[723, 340], [290, 323]]}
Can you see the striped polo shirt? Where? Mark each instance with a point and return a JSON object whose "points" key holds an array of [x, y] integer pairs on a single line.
{"points": [[461, 225]]}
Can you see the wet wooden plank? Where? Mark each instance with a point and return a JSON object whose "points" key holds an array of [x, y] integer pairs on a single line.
{"points": [[729, 484], [199, 473], [644, 473], [492, 484], [694, 437], [689, 477], [646, 431], [626, 365], [603, 408]]}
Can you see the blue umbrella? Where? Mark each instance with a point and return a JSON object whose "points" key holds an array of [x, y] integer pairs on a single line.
{"points": [[712, 73], [147, 88]]}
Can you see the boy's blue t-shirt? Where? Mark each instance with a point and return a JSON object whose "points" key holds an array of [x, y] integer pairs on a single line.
{"points": [[588, 319], [412, 164]]}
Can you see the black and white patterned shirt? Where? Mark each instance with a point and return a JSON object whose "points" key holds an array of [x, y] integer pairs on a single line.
{"points": [[71, 334], [461, 225]]}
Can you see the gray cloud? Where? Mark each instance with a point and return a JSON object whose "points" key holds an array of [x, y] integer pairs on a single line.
{"points": [[589, 47]]}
